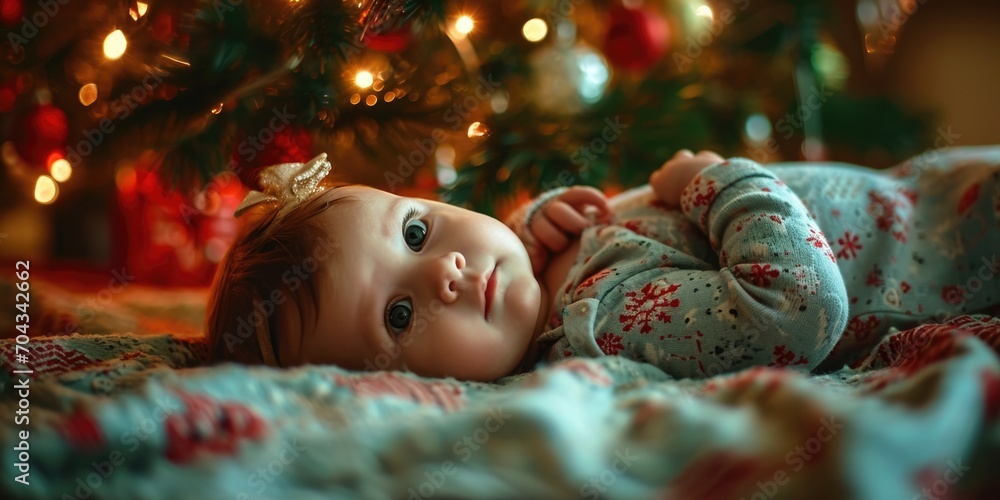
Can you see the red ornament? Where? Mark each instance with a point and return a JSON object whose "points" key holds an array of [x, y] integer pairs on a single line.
{"points": [[636, 38], [269, 147], [11, 12], [171, 238], [163, 28], [392, 42], [41, 131]]}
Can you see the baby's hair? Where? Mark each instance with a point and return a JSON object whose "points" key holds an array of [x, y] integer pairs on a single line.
{"points": [[263, 252]]}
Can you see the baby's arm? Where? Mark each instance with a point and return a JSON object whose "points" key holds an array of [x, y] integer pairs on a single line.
{"points": [[774, 296], [774, 261], [548, 224]]}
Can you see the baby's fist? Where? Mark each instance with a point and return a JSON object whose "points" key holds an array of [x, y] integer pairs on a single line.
{"points": [[563, 218], [670, 180]]}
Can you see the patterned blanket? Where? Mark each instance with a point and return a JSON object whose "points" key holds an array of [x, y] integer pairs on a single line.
{"points": [[129, 416]]}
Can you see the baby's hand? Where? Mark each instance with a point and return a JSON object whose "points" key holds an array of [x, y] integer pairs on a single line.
{"points": [[670, 180], [563, 218]]}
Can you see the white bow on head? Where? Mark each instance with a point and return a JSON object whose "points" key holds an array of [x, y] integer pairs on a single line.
{"points": [[288, 184]]}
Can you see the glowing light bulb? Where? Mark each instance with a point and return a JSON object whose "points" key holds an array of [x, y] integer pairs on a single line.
{"points": [[45, 190], [464, 25], [61, 170], [364, 79], [114, 45], [704, 11], [534, 30]]}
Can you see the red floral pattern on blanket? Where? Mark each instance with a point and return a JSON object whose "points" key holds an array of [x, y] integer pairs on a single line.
{"points": [[906, 352], [47, 357], [446, 395], [210, 427]]}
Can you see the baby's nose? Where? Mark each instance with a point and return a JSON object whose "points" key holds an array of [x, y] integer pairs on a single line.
{"points": [[448, 271]]}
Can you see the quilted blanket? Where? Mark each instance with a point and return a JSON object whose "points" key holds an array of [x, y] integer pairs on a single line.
{"points": [[126, 416]]}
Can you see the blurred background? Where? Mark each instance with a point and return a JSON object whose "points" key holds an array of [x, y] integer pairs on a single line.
{"points": [[131, 130]]}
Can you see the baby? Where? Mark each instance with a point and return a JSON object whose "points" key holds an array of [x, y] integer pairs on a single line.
{"points": [[715, 266]]}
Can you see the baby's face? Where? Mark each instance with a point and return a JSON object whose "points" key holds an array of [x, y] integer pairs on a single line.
{"points": [[421, 285]]}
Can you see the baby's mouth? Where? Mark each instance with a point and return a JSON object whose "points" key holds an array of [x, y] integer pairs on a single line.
{"points": [[491, 287]]}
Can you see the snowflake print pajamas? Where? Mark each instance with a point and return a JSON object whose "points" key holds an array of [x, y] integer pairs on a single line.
{"points": [[788, 265]]}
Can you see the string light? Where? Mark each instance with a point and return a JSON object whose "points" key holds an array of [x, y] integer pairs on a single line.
{"points": [[364, 79], [45, 190], [534, 30], [217, 109], [88, 94], [138, 11], [114, 45], [61, 170], [464, 25]]}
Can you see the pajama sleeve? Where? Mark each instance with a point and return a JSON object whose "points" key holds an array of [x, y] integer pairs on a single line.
{"points": [[770, 293]]}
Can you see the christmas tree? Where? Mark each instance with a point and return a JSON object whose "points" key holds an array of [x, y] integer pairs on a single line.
{"points": [[479, 101]]}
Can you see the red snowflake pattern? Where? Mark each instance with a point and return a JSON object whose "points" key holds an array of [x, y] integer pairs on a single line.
{"points": [[636, 227], [783, 356], [592, 280], [648, 304], [851, 244], [818, 240], [610, 344], [875, 277], [886, 211], [759, 275], [953, 294], [859, 329]]}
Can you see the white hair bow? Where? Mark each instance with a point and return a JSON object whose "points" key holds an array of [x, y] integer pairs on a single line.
{"points": [[288, 184]]}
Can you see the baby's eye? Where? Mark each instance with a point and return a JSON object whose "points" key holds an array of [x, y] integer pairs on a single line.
{"points": [[414, 234], [399, 315]]}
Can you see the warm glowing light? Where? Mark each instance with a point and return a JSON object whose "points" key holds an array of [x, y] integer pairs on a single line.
{"points": [[114, 45], [704, 11], [45, 190], [534, 30], [371, 100], [217, 109], [364, 79], [478, 130], [464, 25], [61, 170], [126, 179], [138, 11], [88, 94]]}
